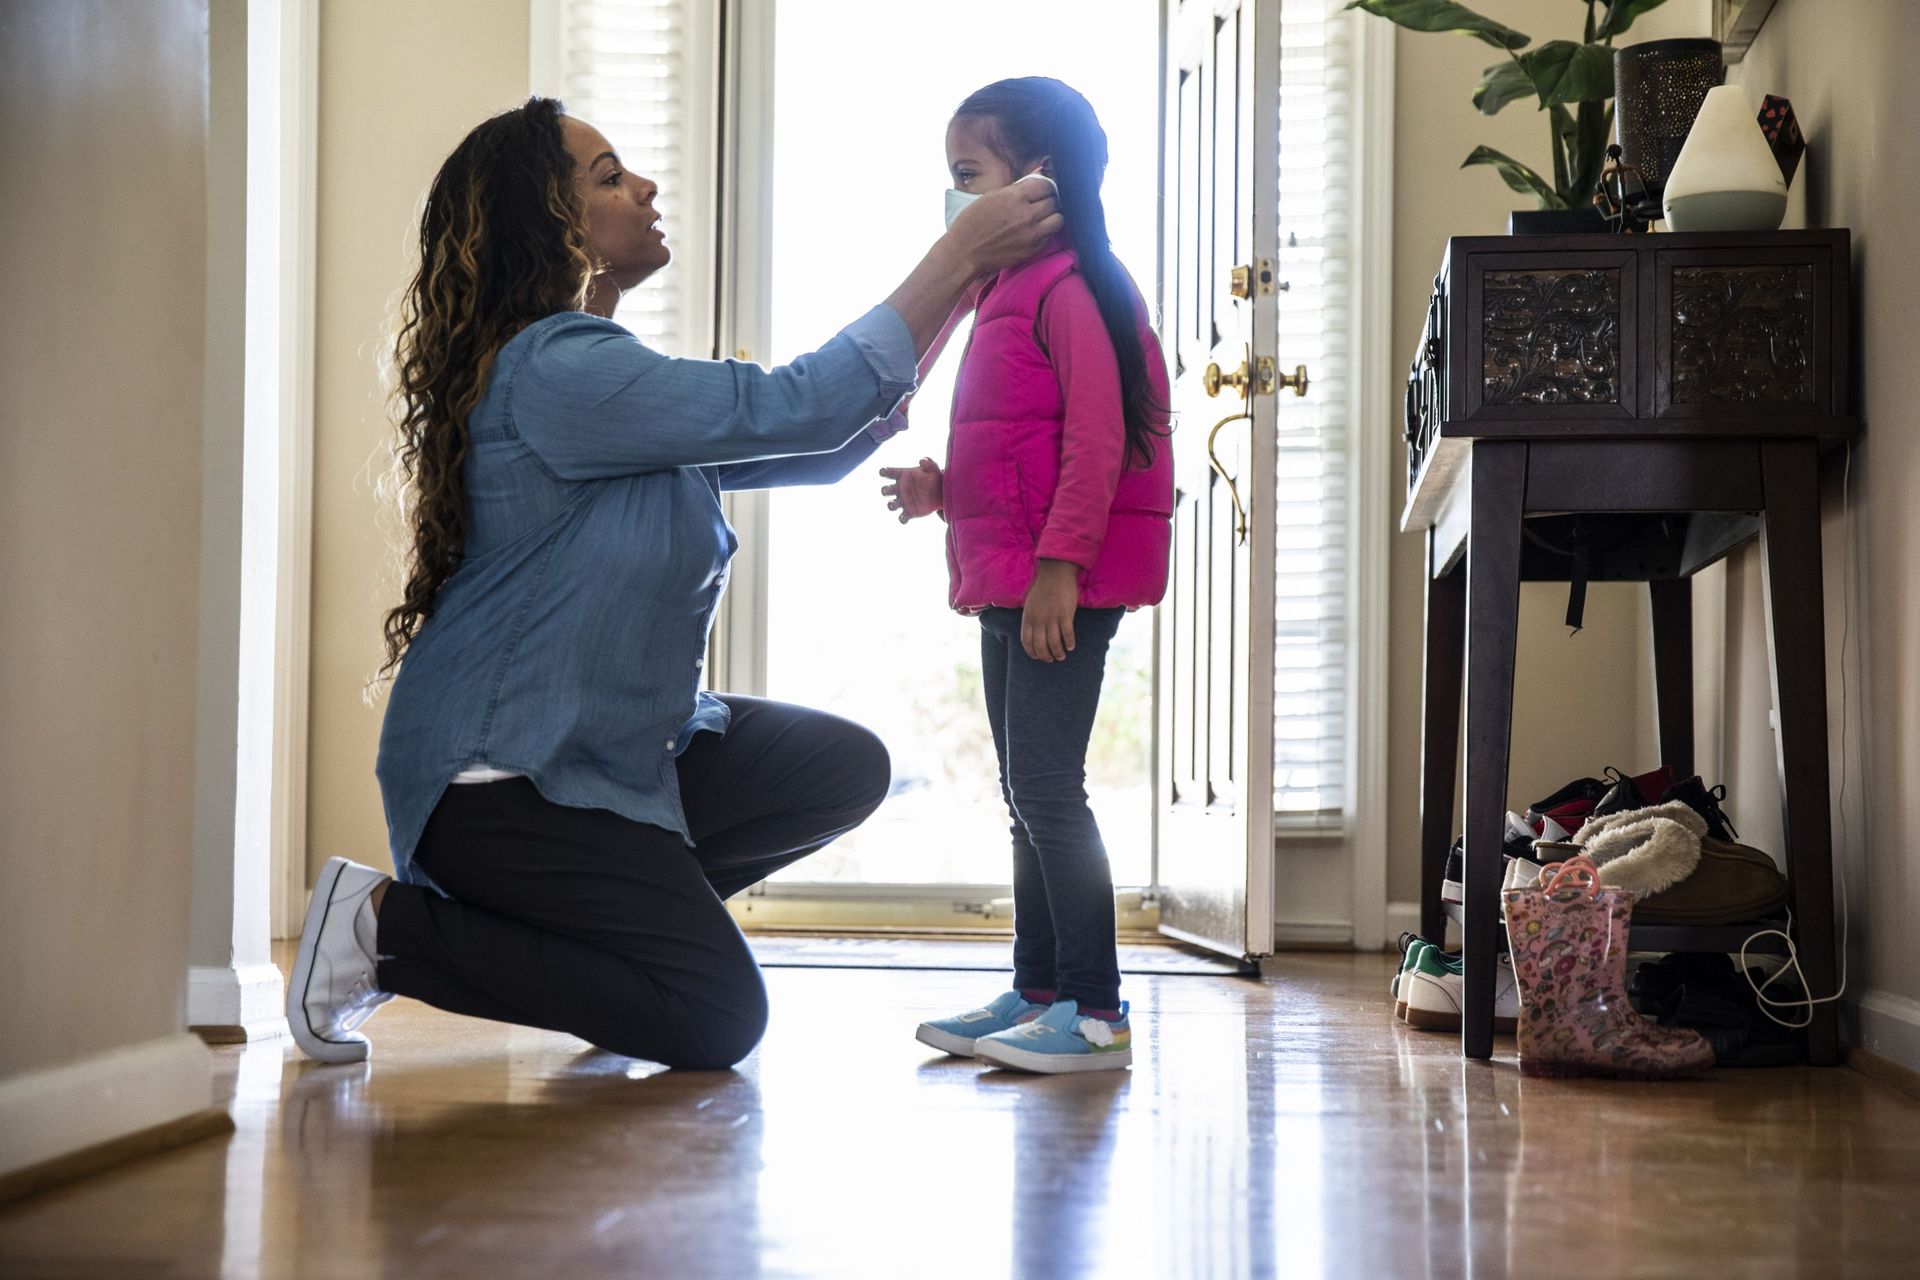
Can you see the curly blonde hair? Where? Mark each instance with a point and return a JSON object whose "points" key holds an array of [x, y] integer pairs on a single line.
{"points": [[503, 243]]}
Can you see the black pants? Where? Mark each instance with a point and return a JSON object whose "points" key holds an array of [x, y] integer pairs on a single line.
{"points": [[583, 921]]}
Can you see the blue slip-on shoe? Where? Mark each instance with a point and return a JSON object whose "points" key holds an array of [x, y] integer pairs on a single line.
{"points": [[1061, 1040], [956, 1035]]}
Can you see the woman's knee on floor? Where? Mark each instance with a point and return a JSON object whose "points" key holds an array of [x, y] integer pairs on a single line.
{"points": [[710, 1030]]}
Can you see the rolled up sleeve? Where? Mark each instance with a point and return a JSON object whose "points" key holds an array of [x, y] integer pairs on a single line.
{"points": [[591, 401]]}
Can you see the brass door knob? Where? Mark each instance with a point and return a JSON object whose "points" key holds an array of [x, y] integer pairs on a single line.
{"points": [[1297, 380], [1214, 378]]}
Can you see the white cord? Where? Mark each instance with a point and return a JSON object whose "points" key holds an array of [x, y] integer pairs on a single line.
{"points": [[1792, 965]]}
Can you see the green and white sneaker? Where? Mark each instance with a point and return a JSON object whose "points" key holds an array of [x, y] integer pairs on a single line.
{"points": [[956, 1035], [1411, 944], [1061, 1040], [1436, 994]]}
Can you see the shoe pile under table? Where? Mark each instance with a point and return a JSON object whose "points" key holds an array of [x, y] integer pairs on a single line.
{"points": [[1624, 408]]}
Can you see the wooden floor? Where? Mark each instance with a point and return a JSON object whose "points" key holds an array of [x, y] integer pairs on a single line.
{"points": [[1277, 1128]]}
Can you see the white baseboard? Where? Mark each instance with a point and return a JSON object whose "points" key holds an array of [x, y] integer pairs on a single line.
{"points": [[1404, 917], [47, 1114], [249, 1000], [1887, 1026], [1313, 933]]}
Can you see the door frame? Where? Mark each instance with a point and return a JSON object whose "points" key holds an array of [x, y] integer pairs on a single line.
{"points": [[281, 382], [1333, 875], [1372, 498], [1227, 901]]}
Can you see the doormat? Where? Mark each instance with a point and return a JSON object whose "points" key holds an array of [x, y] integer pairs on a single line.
{"points": [[789, 951]]}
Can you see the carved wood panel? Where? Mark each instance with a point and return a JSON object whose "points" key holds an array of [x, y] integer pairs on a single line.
{"points": [[1743, 334], [1551, 336]]}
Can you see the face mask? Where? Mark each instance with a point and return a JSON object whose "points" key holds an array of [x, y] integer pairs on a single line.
{"points": [[958, 200]]}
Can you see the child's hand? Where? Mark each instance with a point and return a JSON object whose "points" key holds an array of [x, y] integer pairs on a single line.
{"points": [[1046, 623], [915, 491]]}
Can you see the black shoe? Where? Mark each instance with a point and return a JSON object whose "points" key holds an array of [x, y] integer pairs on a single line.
{"points": [[1705, 993], [1621, 796], [1579, 789], [1453, 882], [1705, 802]]}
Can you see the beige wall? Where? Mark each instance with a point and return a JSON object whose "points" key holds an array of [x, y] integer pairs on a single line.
{"points": [[103, 219], [1852, 88], [1580, 702], [400, 84]]}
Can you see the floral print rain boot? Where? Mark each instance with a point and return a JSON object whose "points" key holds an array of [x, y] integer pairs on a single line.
{"points": [[1568, 936]]}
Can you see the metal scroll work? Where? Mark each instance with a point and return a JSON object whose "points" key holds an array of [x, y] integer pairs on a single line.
{"points": [[1742, 334], [1551, 337]]}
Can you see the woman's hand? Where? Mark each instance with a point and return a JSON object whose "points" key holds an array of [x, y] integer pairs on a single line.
{"points": [[915, 491], [1006, 226], [1046, 622], [999, 229]]}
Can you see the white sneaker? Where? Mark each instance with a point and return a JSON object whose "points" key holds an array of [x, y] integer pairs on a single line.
{"points": [[1435, 1002], [334, 989]]}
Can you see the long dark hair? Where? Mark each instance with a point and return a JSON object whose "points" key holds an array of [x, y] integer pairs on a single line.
{"points": [[1035, 117], [502, 244]]}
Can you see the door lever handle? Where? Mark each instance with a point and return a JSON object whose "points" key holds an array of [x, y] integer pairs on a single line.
{"points": [[1213, 460]]}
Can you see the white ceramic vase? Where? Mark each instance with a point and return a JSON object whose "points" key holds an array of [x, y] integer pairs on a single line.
{"points": [[1726, 178]]}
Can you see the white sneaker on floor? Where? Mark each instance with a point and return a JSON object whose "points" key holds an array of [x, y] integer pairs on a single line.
{"points": [[1435, 1000], [334, 989]]}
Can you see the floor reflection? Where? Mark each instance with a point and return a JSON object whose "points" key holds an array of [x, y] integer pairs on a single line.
{"points": [[1060, 1166], [1286, 1128]]}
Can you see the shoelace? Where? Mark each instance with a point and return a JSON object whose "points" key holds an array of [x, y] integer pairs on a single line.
{"points": [[363, 997], [1715, 813]]}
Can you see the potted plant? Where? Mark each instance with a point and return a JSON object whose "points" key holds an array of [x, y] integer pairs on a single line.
{"points": [[1572, 80]]}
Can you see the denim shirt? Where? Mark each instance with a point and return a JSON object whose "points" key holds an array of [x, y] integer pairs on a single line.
{"points": [[567, 645]]}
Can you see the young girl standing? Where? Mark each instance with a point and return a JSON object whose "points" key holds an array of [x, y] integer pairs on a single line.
{"points": [[1058, 497]]}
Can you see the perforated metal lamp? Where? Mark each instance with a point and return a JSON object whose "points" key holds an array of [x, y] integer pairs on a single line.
{"points": [[1658, 87]]}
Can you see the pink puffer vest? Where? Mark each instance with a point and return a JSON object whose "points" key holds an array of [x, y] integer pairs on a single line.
{"points": [[1003, 463]]}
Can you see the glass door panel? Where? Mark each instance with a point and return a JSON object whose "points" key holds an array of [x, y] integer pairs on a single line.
{"points": [[857, 616]]}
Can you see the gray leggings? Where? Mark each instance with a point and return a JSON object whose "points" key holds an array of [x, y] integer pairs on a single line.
{"points": [[583, 921]]}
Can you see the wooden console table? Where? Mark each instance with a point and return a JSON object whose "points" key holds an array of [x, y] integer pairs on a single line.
{"points": [[1623, 408]]}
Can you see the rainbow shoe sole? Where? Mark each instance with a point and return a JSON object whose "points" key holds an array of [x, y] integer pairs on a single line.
{"points": [[1061, 1040]]}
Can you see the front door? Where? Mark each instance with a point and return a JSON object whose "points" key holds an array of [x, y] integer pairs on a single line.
{"points": [[1216, 643]]}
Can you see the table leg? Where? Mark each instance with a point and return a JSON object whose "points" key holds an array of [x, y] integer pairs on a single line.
{"points": [[1441, 677], [1672, 600], [1796, 630], [1493, 616]]}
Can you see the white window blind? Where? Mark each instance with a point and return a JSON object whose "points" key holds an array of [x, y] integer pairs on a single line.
{"points": [[1316, 261], [644, 73]]}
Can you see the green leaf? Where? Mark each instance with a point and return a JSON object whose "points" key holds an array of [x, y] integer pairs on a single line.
{"points": [[1620, 16], [1443, 15], [1503, 83], [1566, 71], [1590, 151], [1517, 175], [1564, 134]]}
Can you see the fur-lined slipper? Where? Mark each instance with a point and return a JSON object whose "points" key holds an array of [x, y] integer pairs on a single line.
{"points": [[1644, 850]]}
